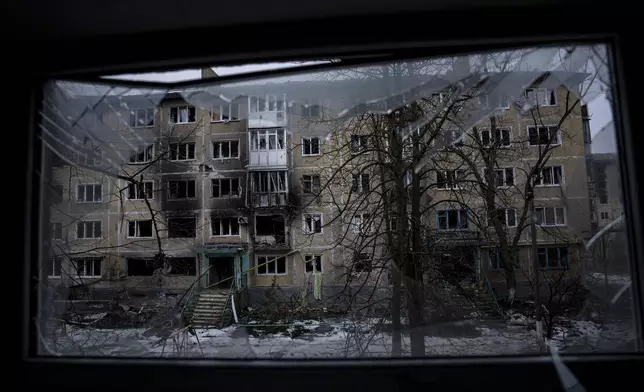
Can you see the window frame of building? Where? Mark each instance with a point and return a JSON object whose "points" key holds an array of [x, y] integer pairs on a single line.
{"points": [[459, 216], [144, 156], [499, 143], [232, 223], [84, 230], [360, 258], [176, 119], [506, 217], [56, 268], [313, 110], [148, 114], [358, 183], [504, 175], [232, 110], [90, 262], [94, 186], [496, 98], [309, 140], [56, 229], [176, 154], [548, 95], [140, 191], [604, 215], [555, 214], [265, 268], [494, 262], [358, 223], [188, 197], [137, 228], [555, 143], [543, 251], [601, 184], [218, 147], [314, 262], [358, 143], [452, 179], [191, 230], [539, 182], [311, 189], [277, 136], [233, 184], [311, 225], [266, 103]]}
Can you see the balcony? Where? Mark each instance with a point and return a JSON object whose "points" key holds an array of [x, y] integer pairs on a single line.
{"points": [[271, 232], [269, 199], [268, 148], [267, 119], [267, 111]]}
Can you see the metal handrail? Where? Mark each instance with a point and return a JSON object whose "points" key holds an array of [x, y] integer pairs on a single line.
{"points": [[489, 290], [230, 291], [191, 291]]}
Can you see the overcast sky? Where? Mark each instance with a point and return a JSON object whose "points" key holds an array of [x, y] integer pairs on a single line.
{"points": [[599, 109]]}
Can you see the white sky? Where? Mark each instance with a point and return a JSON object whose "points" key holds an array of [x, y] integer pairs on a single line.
{"points": [[599, 109]]}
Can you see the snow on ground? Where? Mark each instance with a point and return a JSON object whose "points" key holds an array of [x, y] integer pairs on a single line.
{"points": [[333, 339], [614, 279]]}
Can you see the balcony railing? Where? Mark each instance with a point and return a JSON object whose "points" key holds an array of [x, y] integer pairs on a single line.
{"points": [[272, 241], [269, 199], [268, 158], [267, 119]]}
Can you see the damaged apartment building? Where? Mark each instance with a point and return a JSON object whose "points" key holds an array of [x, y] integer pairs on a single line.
{"points": [[223, 184]]}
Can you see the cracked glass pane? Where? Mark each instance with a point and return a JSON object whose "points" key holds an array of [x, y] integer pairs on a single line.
{"points": [[472, 193]]}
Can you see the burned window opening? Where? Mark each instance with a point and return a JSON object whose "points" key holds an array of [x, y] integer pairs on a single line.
{"points": [[271, 225], [182, 227]]}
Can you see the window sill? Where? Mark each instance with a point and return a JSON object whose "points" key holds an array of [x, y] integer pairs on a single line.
{"points": [[182, 199], [88, 277], [225, 236], [224, 121], [226, 197], [90, 238], [89, 202], [182, 160], [142, 127], [311, 155], [139, 163], [224, 158], [183, 123], [543, 145], [284, 274], [139, 238], [548, 186], [149, 198]]}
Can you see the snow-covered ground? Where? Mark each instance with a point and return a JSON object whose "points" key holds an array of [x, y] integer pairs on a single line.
{"points": [[334, 339]]}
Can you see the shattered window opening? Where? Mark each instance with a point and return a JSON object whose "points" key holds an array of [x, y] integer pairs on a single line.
{"points": [[88, 267], [182, 151], [225, 149], [543, 135], [139, 228], [56, 230], [141, 191], [88, 229], [182, 227], [144, 156], [142, 118], [501, 137], [313, 263], [182, 189], [311, 183], [452, 219], [222, 227], [550, 216], [553, 257], [225, 187], [312, 223]]}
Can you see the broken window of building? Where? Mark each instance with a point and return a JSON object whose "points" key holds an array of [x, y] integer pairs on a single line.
{"points": [[225, 187], [89, 193], [311, 183], [263, 140], [494, 258], [271, 265], [140, 191], [269, 188], [182, 151], [550, 175], [500, 137], [361, 262], [271, 225], [182, 189], [140, 118], [605, 215], [225, 149], [140, 267], [54, 268], [186, 266], [139, 228], [182, 114], [312, 263], [449, 179], [453, 138], [311, 223], [499, 177], [182, 227], [541, 96], [361, 224], [360, 183], [543, 135], [88, 229], [143, 156], [224, 226], [56, 230], [359, 143], [89, 267], [310, 146], [553, 257], [228, 112], [452, 219], [550, 216], [507, 217], [601, 187], [311, 111]]}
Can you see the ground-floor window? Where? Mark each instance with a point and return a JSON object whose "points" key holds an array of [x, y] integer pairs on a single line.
{"points": [[313, 263], [89, 267], [494, 258], [271, 265], [146, 266], [554, 257]]}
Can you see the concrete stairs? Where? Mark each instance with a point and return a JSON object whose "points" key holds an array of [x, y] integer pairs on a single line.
{"points": [[209, 309], [484, 303]]}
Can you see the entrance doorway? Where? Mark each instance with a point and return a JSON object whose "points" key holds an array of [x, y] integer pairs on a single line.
{"points": [[220, 269]]}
